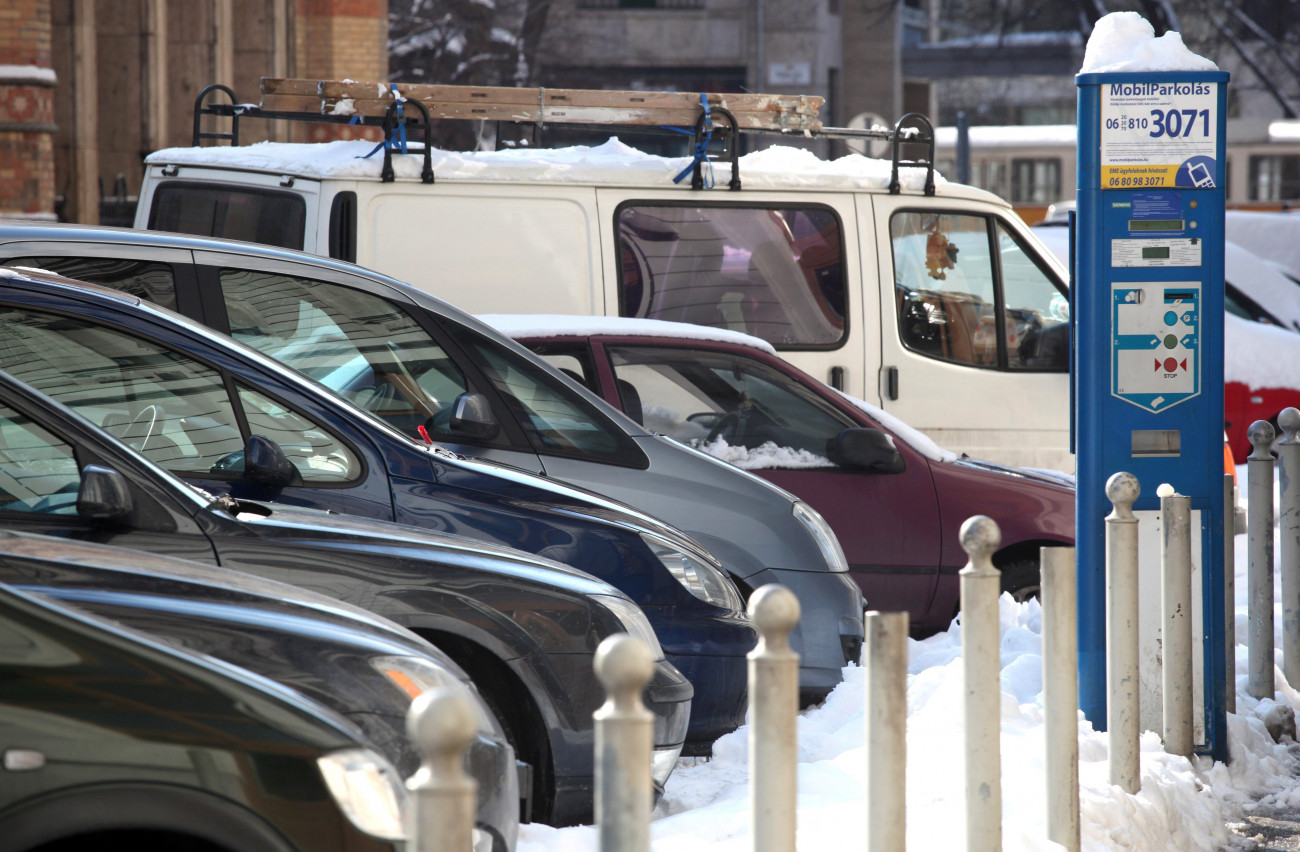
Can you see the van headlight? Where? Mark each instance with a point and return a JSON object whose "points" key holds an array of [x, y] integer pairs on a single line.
{"points": [[822, 533], [696, 572], [367, 790], [634, 622], [414, 676]]}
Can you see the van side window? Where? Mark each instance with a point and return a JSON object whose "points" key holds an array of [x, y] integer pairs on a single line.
{"points": [[967, 292], [253, 215], [773, 272], [142, 279], [362, 347]]}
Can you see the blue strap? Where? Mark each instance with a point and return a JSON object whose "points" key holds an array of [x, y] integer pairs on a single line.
{"points": [[701, 152], [401, 129]]}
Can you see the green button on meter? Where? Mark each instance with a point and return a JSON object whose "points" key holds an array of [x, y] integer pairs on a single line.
{"points": [[1171, 340]]}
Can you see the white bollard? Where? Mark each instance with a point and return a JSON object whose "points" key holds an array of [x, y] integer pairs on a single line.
{"points": [[773, 710], [1176, 619], [624, 742], [981, 584], [1122, 713], [1061, 694], [1230, 590], [440, 817], [1259, 567], [885, 658], [1288, 521]]}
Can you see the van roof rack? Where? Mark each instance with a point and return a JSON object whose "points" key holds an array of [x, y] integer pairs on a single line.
{"points": [[701, 115]]}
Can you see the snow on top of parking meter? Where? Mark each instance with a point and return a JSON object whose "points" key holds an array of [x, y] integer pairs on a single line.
{"points": [[1125, 41]]}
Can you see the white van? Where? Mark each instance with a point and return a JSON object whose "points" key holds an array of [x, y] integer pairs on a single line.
{"points": [[940, 307]]}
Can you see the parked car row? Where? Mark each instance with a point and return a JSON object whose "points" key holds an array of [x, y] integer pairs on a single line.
{"points": [[346, 490]]}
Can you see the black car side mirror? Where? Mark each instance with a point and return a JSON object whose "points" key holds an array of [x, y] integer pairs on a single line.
{"points": [[266, 464], [867, 449], [103, 495], [470, 416]]}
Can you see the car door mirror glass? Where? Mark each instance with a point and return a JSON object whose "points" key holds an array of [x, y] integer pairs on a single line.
{"points": [[865, 449], [104, 494], [468, 417], [266, 464]]}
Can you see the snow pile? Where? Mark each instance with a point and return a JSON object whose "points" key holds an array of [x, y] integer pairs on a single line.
{"points": [[1272, 236], [1125, 41], [766, 456], [612, 163], [1182, 807]]}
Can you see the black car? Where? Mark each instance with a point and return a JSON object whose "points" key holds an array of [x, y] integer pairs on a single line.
{"points": [[363, 667], [114, 740], [525, 628]]}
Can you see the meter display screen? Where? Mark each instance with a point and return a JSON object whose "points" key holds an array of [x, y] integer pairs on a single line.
{"points": [[1155, 252], [1155, 224]]}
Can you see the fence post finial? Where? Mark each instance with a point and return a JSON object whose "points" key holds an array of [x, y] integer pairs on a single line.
{"points": [[981, 585], [624, 743], [442, 722], [1288, 557], [1122, 490], [773, 714], [1259, 567]]}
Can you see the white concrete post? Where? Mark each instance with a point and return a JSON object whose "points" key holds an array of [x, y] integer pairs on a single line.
{"points": [[1176, 619], [980, 588], [440, 817], [1259, 568], [1061, 694], [1122, 704], [773, 710], [886, 713], [624, 742], [1288, 521], [1230, 589]]}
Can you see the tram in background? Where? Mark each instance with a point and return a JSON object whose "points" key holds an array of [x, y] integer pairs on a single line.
{"points": [[1033, 166]]}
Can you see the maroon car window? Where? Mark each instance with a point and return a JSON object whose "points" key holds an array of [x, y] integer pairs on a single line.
{"points": [[729, 405], [773, 272]]}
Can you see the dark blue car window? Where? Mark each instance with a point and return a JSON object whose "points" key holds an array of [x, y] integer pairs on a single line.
{"points": [[38, 472]]}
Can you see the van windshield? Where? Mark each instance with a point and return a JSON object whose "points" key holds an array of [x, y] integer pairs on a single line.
{"points": [[773, 272]]}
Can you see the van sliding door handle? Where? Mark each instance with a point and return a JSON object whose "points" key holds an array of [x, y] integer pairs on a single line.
{"points": [[891, 383], [837, 378]]}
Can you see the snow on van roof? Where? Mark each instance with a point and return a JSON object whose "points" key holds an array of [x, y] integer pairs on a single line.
{"points": [[1126, 41], [613, 163], [566, 325]]}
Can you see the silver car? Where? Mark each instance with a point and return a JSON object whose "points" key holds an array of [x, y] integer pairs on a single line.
{"points": [[440, 375]]}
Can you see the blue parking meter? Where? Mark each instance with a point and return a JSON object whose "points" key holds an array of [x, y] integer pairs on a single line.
{"points": [[1148, 322]]}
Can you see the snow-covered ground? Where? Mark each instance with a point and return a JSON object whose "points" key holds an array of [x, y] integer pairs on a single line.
{"points": [[1182, 806]]}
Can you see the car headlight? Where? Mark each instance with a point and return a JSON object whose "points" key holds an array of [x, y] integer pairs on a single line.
{"points": [[634, 622], [663, 762], [696, 573], [414, 676], [367, 790], [822, 533]]}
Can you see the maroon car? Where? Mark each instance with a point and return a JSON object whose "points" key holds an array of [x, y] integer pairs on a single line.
{"points": [[895, 500]]}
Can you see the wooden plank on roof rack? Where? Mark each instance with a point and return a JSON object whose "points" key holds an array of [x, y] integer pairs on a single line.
{"points": [[574, 106]]}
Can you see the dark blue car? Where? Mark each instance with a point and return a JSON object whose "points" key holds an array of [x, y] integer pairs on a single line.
{"points": [[234, 422]]}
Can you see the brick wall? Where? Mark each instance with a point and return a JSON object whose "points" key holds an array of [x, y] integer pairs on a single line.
{"points": [[341, 39], [26, 110]]}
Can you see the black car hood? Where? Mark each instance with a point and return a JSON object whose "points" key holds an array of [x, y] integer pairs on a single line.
{"points": [[102, 560], [334, 532]]}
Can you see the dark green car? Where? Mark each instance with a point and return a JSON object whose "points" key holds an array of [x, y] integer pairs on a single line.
{"points": [[112, 740]]}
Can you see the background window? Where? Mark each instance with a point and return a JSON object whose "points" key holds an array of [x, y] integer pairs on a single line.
{"points": [[152, 282]]}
